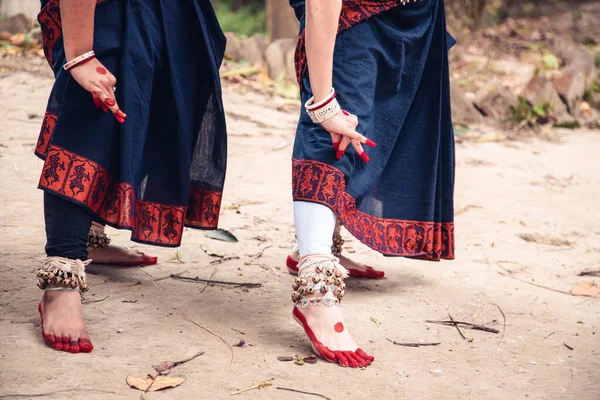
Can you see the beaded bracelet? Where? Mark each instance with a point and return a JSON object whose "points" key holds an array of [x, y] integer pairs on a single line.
{"points": [[90, 55], [324, 109]]}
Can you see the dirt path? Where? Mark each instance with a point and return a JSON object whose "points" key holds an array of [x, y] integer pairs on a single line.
{"points": [[550, 189]]}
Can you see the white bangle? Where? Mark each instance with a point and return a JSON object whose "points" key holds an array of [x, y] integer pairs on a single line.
{"points": [[79, 60], [324, 109]]}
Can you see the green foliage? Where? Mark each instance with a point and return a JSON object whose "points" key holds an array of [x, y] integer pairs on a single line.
{"points": [[550, 61], [525, 112], [522, 111], [3, 16], [245, 20], [568, 125]]}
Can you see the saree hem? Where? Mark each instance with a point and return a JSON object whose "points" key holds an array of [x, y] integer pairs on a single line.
{"points": [[85, 182], [318, 182]]}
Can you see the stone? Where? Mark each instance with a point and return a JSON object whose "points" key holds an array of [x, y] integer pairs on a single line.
{"points": [[495, 101], [290, 65], [463, 110], [253, 49], [233, 49], [275, 57], [570, 85], [576, 59], [16, 24], [540, 92]]}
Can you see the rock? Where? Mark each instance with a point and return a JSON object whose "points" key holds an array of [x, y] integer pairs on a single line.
{"points": [[540, 92], [463, 110], [233, 50], [496, 101], [290, 65], [570, 85], [253, 48], [275, 57], [16, 24], [576, 59]]}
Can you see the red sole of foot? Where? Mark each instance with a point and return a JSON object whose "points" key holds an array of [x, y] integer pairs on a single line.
{"points": [[146, 260], [370, 273], [344, 358], [85, 345]]}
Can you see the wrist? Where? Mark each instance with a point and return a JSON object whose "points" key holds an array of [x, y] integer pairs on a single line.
{"points": [[72, 53], [321, 111], [321, 94]]}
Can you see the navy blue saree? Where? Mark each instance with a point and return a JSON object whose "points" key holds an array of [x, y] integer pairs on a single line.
{"points": [[390, 70], [165, 167]]}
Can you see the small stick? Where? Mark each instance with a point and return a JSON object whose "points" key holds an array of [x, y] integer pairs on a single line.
{"points": [[196, 279], [150, 275], [467, 324], [212, 333], [177, 363], [550, 335], [303, 392], [507, 273], [211, 276], [259, 385], [589, 273], [224, 259], [413, 344], [376, 340], [567, 346], [95, 301], [457, 328], [504, 323], [3, 396]]}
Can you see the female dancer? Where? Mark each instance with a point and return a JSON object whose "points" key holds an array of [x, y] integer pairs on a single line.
{"points": [[387, 61], [149, 157]]}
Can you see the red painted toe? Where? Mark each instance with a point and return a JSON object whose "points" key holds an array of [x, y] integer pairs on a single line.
{"points": [[364, 356], [85, 345], [350, 357], [58, 346], [149, 260], [342, 360], [75, 347], [292, 265]]}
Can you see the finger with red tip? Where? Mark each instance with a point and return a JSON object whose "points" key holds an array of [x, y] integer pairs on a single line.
{"points": [[342, 147], [364, 356], [364, 156], [336, 146], [97, 102], [351, 361], [339, 154], [109, 102], [341, 359], [85, 345], [104, 107], [359, 361], [370, 143], [346, 113]]}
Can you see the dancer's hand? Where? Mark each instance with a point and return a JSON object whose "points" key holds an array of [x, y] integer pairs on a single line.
{"points": [[97, 79], [342, 129]]}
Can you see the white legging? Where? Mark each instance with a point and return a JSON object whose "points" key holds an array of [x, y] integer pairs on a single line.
{"points": [[315, 224]]}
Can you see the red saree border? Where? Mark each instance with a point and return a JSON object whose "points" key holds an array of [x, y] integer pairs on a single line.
{"points": [[86, 182], [353, 12], [318, 182]]}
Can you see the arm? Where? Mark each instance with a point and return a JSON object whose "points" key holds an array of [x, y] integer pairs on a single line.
{"points": [[78, 32], [322, 18]]}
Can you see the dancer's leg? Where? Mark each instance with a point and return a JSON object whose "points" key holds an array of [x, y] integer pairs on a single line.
{"points": [[67, 227], [319, 287]]}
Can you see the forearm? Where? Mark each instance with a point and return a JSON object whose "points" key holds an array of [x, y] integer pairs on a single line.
{"points": [[322, 17], [78, 26]]}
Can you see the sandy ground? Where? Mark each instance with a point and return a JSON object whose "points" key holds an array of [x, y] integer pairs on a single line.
{"points": [[551, 188]]}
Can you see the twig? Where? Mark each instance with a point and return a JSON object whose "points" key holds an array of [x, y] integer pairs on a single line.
{"points": [[550, 335], [211, 276], [413, 344], [259, 385], [236, 284], [457, 328], [224, 259], [568, 347], [376, 340], [467, 325], [150, 275], [503, 324], [507, 273], [589, 273], [174, 364], [303, 392], [212, 333], [5, 396], [95, 301]]}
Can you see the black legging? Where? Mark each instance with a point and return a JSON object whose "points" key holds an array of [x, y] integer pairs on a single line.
{"points": [[67, 228]]}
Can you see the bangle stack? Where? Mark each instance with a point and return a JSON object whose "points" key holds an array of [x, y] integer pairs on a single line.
{"points": [[324, 109], [82, 59]]}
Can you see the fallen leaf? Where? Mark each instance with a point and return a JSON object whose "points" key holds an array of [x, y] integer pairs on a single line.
{"points": [[285, 358], [223, 235], [377, 323], [154, 383], [298, 360], [585, 288], [310, 360]]}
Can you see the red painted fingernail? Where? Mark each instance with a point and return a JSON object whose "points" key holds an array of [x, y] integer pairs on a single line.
{"points": [[97, 102], [364, 156], [345, 112], [370, 143], [104, 108], [120, 114], [109, 102], [336, 145], [120, 120], [339, 154]]}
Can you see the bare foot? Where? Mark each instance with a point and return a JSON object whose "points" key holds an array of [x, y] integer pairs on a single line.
{"points": [[62, 322], [356, 270], [321, 316], [117, 255]]}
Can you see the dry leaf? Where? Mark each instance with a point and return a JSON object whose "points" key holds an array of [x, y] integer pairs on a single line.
{"points": [[154, 383], [285, 358], [585, 288]]}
